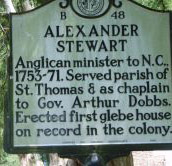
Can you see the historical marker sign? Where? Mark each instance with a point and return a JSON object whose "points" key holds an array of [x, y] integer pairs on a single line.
{"points": [[89, 73]]}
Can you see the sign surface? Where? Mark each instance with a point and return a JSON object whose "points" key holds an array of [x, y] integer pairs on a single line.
{"points": [[89, 73]]}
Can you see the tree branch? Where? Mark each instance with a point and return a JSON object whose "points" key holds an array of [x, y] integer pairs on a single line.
{"points": [[26, 5], [9, 6], [2, 28]]}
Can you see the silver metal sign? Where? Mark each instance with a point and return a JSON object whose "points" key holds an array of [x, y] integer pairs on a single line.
{"points": [[89, 73]]}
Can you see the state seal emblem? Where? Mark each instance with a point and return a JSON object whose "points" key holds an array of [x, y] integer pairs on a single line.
{"points": [[90, 7]]}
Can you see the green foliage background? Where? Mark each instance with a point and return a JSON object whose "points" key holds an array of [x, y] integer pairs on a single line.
{"points": [[12, 160], [4, 50]]}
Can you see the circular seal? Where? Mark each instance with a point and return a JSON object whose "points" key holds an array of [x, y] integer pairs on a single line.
{"points": [[90, 7]]}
